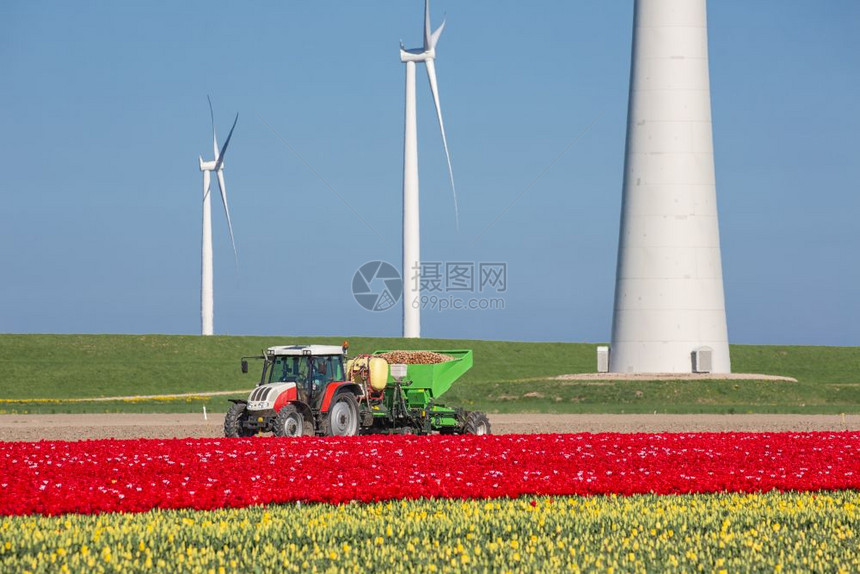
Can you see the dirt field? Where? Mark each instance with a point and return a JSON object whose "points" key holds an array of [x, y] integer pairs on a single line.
{"points": [[80, 427], [673, 377]]}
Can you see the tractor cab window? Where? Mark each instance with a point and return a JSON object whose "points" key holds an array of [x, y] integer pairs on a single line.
{"points": [[289, 369], [323, 372], [312, 374], [336, 368], [304, 371]]}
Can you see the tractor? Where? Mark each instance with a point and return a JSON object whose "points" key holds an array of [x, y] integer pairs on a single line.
{"points": [[307, 390]]}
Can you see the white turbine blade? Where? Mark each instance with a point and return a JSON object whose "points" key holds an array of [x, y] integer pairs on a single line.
{"points": [[219, 161], [427, 34], [434, 38], [214, 139], [223, 187], [431, 75]]}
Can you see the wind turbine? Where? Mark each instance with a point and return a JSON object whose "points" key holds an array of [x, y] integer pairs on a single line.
{"points": [[411, 236], [670, 311], [207, 167]]}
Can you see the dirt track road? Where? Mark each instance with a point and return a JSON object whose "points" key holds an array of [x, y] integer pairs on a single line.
{"points": [[81, 427]]}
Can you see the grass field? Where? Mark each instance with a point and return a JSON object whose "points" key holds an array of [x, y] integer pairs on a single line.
{"points": [[38, 371]]}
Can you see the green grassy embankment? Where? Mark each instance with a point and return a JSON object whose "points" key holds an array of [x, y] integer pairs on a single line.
{"points": [[38, 371]]}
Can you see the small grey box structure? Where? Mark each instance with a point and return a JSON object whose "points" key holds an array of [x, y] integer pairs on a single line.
{"points": [[602, 359], [398, 371], [703, 360]]}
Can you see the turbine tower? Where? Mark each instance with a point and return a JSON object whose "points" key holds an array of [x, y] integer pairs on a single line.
{"points": [[208, 167], [669, 302], [411, 235]]}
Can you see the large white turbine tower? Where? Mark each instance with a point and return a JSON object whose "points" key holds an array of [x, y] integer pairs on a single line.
{"points": [[669, 302], [207, 305], [411, 235]]}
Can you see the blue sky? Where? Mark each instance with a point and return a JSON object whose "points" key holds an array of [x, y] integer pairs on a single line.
{"points": [[104, 114]]}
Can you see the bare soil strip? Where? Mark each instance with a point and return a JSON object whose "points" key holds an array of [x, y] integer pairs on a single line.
{"points": [[126, 426], [131, 397], [672, 377]]}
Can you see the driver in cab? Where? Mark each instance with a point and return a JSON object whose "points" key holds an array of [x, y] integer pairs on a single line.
{"points": [[319, 375]]}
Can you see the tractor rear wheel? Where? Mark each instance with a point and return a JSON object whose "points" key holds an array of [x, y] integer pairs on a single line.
{"points": [[342, 417], [289, 422], [233, 426], [476, 423]]}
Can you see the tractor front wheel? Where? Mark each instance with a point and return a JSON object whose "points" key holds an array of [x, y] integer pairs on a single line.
{"points": [[476, 423], [342, 417], [233, 426], [289, 422]]}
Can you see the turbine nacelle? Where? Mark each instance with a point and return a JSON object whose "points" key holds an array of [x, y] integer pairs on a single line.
{"points": [[417, 54], [209, 165]]}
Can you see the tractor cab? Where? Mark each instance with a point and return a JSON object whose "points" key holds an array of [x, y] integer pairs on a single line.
{"points": [[311, 372]]}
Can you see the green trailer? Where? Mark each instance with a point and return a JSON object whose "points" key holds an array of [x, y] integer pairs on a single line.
{"points": [[409, 402]]}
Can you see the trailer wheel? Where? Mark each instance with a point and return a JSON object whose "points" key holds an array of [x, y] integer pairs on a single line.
{"points": [[233, 422], [342, 417], [476, 423], [289, 422]]}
